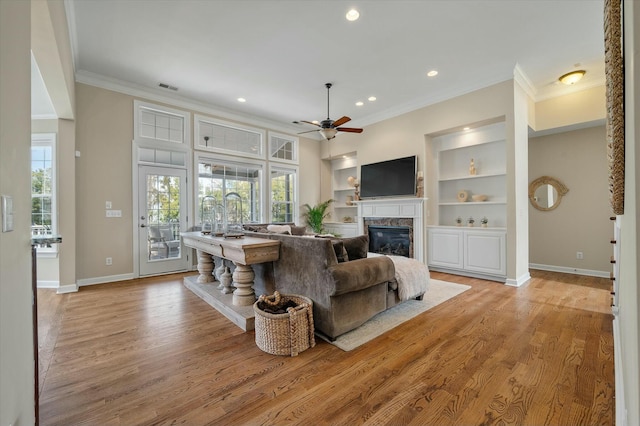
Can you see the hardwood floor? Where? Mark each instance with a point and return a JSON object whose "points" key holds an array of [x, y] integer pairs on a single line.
{"points": [[149, 351]]}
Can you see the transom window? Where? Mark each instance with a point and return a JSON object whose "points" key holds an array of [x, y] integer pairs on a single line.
{"points": [[155, 123], [230, 138], [283, 148]]}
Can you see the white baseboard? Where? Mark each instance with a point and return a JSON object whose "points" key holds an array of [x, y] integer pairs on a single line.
{"points": [[69, 288], [568, 270], [523, 279], [48, 284], [106, 279]]}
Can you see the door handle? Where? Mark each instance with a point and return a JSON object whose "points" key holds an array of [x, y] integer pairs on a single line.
{"points": [[143, 226]]}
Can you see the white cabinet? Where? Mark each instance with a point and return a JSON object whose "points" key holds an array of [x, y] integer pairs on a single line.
{"points": [[446, 248], [345, 230], [468, 251], [485, 252]]}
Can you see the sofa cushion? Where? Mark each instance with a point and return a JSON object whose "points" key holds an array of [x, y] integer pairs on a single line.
{"points": [[357, 247]]}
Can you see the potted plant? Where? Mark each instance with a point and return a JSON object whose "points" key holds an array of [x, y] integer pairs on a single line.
{"points": [[315, 215]]}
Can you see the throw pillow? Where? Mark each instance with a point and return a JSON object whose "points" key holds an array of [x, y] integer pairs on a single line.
{"points": [[298, 230], [279, 229], [357, 247], [341, 252]]}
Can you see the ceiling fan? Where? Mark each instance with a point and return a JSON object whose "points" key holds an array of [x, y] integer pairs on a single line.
{"points": [[329, 128]]}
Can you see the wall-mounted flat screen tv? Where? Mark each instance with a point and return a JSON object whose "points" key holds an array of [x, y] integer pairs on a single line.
{"points": [[392, 178]]}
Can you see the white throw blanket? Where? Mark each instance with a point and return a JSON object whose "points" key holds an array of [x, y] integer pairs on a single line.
{"points": [[412, 277]]}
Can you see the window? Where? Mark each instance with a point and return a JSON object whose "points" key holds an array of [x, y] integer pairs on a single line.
{"points": [[43, 187], [158, 123], [217, 179], [283, 148], [229, 138], [283, 194]]}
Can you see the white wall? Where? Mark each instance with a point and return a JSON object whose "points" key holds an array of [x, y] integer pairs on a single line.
{"points": [[17, 357]]}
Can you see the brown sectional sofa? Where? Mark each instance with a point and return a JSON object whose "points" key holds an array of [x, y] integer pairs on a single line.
{"points": [[345, 294]]}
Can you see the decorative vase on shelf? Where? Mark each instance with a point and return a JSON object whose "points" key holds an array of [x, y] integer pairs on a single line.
{"points": [[349, 201], [484, 221], [472, 168], [470, 221], [458, 221]]}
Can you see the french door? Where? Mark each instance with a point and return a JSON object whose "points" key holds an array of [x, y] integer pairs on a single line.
{"points": [[162, 215]]}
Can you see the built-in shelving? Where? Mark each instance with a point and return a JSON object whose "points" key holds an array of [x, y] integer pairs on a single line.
{"points": [[454, 152], [343, 208], [469, 250]]}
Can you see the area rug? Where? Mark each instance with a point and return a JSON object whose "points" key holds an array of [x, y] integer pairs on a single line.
{"points": [[439, 291]]}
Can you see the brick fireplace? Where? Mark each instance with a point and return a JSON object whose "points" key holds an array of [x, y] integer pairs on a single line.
{"points": [[403, 213]]}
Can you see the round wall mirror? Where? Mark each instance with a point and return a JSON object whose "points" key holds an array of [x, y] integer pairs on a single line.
{"points": [[545, 193]]}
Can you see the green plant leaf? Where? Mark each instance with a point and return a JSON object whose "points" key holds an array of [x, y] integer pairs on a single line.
{"points": [[316, 215]]}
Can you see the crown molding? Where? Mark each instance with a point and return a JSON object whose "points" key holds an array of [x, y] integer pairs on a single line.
{"points": [[97, 80], [429, 100], [523, 80]]}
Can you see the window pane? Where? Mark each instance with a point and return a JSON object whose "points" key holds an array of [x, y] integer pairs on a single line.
{"points": [[163, 199], [282, 195], [42, 188], [216, 180], [228, 138]]}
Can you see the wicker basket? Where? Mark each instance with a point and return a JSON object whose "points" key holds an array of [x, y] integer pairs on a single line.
{"points": [[285, 334]]}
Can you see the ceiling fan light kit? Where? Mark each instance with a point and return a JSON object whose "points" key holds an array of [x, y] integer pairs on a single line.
{"points": [[329, 128]]}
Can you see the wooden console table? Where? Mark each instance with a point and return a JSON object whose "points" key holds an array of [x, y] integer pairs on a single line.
{"points": [[243, 252]]}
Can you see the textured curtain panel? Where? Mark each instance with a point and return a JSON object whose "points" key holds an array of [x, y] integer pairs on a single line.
{"points": [[614, 69]]}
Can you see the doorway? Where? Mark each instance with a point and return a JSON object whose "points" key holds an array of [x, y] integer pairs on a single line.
{"points": [[162, 215]]}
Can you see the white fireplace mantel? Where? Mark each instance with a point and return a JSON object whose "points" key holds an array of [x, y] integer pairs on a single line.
{"points": [[410, 207]]}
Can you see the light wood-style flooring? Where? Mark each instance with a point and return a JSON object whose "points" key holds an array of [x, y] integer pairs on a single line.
{"points": [[149, 352]]}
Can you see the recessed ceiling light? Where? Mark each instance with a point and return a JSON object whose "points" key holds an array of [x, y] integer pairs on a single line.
{"points": [[242, 100], [315, 122], [432, 73], [359, 103], [372, 98], [465, 128], [352, 15]]}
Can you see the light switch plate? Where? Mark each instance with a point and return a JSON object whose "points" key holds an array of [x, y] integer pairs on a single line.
{"points": [[7, 213]]}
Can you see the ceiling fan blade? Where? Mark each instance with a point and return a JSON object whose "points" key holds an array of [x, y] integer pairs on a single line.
{"points": [[310, 122], [309, 131], [341, 121], [349, 129]]}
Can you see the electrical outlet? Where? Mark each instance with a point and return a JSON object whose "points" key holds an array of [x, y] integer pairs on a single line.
{"points": [[579, 255], [108, 261]]}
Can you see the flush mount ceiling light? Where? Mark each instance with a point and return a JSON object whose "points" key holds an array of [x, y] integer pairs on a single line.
{"points": [[372, 98], [242, 100], [572, 77], [352, 15], [359, 103], [432, 73]]}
